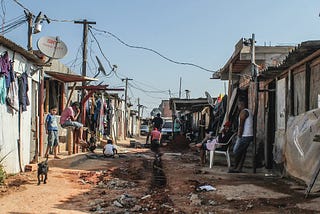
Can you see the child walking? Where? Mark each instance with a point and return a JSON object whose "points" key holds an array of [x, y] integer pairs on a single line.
{"points": [[52, 131]]}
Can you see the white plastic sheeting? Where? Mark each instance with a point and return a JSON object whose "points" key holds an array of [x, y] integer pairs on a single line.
{"points": [[302, 147]]}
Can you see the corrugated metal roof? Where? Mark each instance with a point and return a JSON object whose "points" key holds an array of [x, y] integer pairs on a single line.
{"points": [[63, 77], [297, 54], [302, 51], [189, 104]]}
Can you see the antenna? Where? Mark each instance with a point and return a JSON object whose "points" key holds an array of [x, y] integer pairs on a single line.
{"points": [[209, 98], [101, 68]]}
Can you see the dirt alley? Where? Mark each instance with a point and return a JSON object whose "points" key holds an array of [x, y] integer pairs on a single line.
{"points": [[129, 183]]}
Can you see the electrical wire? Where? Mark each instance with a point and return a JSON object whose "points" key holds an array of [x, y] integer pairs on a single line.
{"points": [[99, 46], [157, 90], [13, 25], [4, 9], [151, 50], [147, 91], [109, 63], [21, 5]]}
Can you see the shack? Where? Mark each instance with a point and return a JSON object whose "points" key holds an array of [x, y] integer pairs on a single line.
{"points": [[18, 105]]}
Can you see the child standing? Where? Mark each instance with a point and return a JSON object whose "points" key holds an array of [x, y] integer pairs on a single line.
{"points": [[155, 140], [52, 131]]}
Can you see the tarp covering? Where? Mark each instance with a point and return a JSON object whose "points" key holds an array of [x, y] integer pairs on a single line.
{"points": [[302, 147]]}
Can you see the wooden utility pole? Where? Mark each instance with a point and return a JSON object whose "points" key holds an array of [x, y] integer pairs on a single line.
{"points": [[126, 108], [254, 74], [84, 49], [30, 20], [180, 88]]}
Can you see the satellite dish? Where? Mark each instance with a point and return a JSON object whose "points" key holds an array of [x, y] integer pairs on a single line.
{"points": [[209, 98], [52, 47], [101, 68]]}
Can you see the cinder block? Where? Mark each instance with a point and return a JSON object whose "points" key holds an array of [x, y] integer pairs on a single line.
{"points": [[30, 167]]}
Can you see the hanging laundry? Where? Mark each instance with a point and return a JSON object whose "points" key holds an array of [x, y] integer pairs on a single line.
{"points": [[5, 64], [23, 91], [3, 90], [13, 95], [10, 77]]}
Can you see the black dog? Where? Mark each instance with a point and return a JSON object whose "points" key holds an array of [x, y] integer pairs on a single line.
{"points": [[43, 169]]}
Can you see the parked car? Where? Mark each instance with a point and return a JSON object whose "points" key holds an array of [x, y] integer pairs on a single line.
{"points": [[166, 131], [144, 129]]}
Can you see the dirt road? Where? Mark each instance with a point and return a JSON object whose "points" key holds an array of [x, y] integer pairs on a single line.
{"points": [[90, 183]]}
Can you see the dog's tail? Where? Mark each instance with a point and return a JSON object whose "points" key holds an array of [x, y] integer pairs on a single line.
{"points": [[47, 159]]}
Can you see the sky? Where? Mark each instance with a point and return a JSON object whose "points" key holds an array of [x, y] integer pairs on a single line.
{"points": [[201, 33]]}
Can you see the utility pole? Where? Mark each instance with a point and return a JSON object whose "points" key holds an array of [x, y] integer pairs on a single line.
{"points": [[180, 88], [84, 49], [126, 108], [139, 106], [30, 20], [254, 74], [142, 109]]}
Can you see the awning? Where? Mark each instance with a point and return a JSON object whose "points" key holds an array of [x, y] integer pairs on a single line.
{"points": [[64, 77], [188, 104]]}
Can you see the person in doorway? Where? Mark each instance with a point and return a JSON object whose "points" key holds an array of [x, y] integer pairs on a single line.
{"points": [[109, 150], [244, 138], [51, 126], [176, 125], [69, 118], [155, 140], [157, 122]]}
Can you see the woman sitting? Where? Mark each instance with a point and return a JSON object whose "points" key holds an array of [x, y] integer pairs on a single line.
{"points": [[209, 143]]}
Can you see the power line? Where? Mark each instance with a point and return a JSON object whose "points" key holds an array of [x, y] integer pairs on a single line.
{"points": [[156, 52], [15, 23], [21, 5], [109, 63]]}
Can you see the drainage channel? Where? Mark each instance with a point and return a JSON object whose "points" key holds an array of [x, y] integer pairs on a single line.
{"points": [[159, 177]]}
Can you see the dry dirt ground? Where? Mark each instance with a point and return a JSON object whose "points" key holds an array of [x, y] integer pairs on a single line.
{"points": [[130, 183]]}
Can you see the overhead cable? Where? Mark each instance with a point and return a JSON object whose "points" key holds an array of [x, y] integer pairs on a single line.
{"points": [[151, 50]]}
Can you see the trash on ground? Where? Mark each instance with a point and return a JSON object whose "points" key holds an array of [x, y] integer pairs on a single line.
{"points": [[206, 188]]}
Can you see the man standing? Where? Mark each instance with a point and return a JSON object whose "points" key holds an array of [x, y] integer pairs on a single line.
{"points": [[245, 136], [157, 122]]}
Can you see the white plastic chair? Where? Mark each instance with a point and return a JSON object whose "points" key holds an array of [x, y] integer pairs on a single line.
{"points": [[224, 150]]}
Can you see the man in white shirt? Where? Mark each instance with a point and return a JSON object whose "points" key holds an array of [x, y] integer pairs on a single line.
{"points": [[245, 136]]}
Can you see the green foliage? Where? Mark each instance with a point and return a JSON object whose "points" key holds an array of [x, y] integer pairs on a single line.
{"points": [[2, 175]]}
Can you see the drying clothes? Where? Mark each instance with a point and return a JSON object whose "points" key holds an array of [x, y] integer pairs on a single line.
{"points": [[23, 91], [13, 95], [5, 64], [3, 90], [10, 77]]}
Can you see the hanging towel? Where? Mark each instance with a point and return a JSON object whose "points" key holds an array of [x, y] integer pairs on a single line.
{"points": [[3, 90]]}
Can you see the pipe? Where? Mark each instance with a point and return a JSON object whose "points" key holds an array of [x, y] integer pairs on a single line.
{"points": [[41, 113]]}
